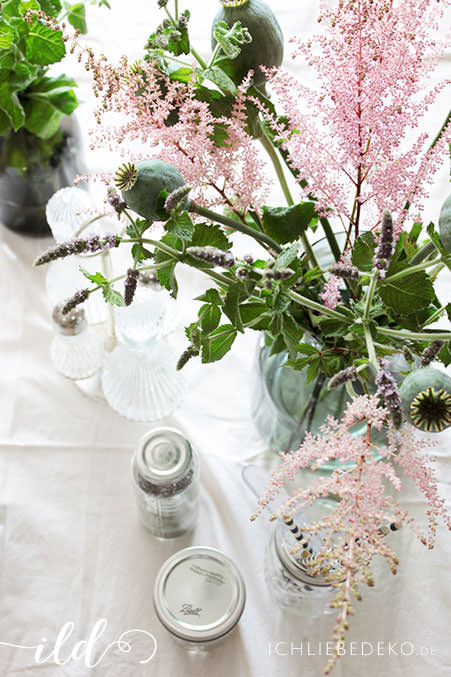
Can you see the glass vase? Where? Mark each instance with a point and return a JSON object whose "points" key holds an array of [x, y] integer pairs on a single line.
{"points": [[31, 170]]}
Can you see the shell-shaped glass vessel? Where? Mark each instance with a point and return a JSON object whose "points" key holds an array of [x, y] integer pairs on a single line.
{"points": [[66, 212], [143, 385], [80, 356]]}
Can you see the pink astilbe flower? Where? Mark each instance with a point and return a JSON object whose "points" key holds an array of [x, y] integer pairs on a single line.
{"points": [[346, 138], [354, 531], [145, 114], [331, 292]]}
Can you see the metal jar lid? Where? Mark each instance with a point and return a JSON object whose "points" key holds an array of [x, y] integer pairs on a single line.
{"points": [[199, 594], [71, 323], [162, 455]]}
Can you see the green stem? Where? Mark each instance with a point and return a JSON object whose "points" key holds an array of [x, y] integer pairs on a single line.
{"points": [[219, 277], [370, 345], [436, 315], [369, 297], [236, 225], [332, 240], [160, 245], [425, 251], [312, 305], [404, 334], [411, 270], [176, 9], [269, 148], [198, 58]]}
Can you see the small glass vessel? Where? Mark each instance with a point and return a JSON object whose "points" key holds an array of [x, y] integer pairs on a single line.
{"points": [[67, 212], [77, 350], [289, 577], [165, 476], [199, 597], [139, 379]]}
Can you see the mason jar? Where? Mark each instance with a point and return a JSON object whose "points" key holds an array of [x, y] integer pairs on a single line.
{"points": [[165, 477], [199, 597]]}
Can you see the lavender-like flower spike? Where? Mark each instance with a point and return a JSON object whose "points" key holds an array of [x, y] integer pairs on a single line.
{"points": [[430, 353], [387, 388], [212, 255], [186, 356], [348, 374], [385, 247], [89, 245], [115, 201], [80, 296], [408, 354], [345, 270], [130, 285], [178, 199]]}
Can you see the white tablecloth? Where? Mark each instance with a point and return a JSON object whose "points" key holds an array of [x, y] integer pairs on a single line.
{"points": [[71, 547]]}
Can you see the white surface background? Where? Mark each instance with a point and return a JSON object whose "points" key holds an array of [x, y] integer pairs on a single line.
{"points": [[70, 544]]}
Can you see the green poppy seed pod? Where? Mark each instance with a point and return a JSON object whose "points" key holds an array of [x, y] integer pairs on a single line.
{"points": [[444, 223], [426, 399], [141, 185], [266, 48]]}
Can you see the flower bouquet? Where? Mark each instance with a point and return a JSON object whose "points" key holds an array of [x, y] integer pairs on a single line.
{"points": [[197, 135]]}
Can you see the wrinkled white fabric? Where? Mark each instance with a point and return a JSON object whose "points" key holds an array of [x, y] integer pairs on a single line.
{"points": [[71, 547]]}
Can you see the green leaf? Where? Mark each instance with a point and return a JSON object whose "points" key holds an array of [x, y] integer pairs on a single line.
{"points": [[286, 224], [217, 76], [446, 257], [408, 294], [290, 332], [285, 257], [77, 17], [281, 301], [313, 371], [445, 354], [210, 296], [218, 343], [44, 46], [51, 7], [6, 35], [182, 226], [112, 296], [166, 275], [251, 311], [231, 305], [206, 235], [363, 251], [330, 327], [97, 278], [10, 105], [306, 349], [209, 316]]}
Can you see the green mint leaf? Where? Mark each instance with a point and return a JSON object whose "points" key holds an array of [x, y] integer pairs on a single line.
{"points": [[286, 257], [206, 235], [408, 294], [363, 252], [210, 296], [209, 317], [97, 278], [112, 296], [217, 76], [182, 226], [286, 224], [218, 343]]}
